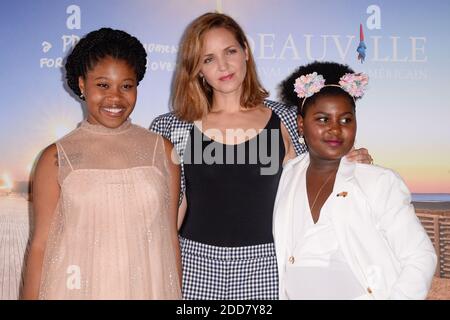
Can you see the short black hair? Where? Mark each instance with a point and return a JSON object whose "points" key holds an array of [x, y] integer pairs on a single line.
{"points": [[99, 44], [331, 71]]}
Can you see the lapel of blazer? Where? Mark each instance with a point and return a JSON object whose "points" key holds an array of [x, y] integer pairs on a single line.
{"points": [[348, 216]]}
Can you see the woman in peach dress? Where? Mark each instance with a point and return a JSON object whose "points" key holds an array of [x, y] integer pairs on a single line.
{"points": [[105, 195]]}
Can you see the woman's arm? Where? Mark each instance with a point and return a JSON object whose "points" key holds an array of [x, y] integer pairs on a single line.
{"points": [[45, 198], [288, 146], [174, 191]]}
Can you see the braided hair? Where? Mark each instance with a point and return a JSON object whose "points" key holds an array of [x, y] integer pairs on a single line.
{"points": [[99, 44], [331, 71]]}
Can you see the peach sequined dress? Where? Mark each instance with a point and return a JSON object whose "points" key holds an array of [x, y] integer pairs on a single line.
{"points": [[110, 235]]}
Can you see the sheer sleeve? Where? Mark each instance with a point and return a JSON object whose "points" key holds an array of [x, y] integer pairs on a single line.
{"points": [[166, 154]]}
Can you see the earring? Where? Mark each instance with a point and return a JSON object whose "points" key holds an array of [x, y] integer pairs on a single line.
{"points": [[204, 82], [82, 96], [301, 139]]}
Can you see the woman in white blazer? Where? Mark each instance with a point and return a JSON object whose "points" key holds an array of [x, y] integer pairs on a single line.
{"points": [[343, 230]]}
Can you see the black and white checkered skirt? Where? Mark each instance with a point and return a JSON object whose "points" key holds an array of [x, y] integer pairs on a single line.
{"points": [[228, 273]]}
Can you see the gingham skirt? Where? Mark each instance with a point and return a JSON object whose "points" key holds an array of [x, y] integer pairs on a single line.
{"points": [[228, 273]]}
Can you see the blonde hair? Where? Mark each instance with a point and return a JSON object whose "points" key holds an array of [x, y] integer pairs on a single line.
{"points": [[191, 99]]}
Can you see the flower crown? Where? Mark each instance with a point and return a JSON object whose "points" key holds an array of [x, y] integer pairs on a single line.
{"points": [[353, 83]]}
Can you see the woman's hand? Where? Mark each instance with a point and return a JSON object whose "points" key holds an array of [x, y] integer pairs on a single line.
{"points": [[359, 155]]}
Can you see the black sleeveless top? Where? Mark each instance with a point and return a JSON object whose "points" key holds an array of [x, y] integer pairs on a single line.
{"points": [[231, 189]]}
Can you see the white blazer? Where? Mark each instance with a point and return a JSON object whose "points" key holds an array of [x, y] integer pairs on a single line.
{"points": [[378, 231]]}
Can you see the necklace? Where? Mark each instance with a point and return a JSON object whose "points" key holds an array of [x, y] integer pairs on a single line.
{"points": [[292, 258]]}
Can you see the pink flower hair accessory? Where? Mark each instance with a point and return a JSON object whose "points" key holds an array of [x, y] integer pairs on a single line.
{"points": [[354, 83], [307, 85]]}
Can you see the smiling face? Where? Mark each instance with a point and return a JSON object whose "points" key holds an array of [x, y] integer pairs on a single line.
{"points": [[329, 127], [223, 61], [110, 90]]}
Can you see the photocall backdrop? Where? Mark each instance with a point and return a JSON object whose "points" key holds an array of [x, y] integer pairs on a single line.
{"points": [[403, 119]]}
